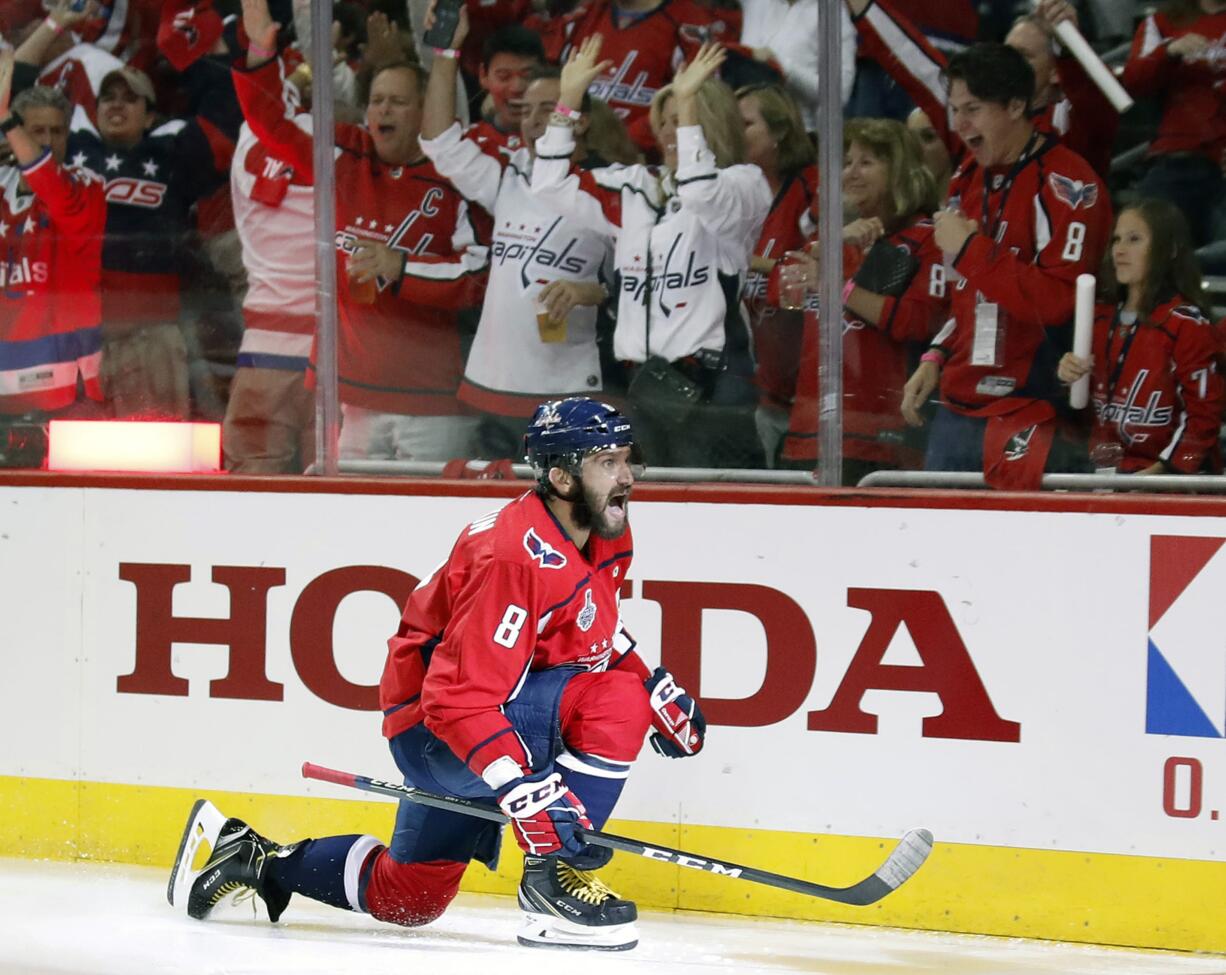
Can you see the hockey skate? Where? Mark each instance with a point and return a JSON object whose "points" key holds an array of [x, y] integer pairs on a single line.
{"points": [[570, 908], [237, 864]]}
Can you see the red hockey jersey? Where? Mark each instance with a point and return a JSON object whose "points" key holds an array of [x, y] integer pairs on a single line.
{"points": [[645, 48], [1040, 226], [876, 361], [515, 596], [50, 305], [1157, 388], [401, 353], [1193, 103]]}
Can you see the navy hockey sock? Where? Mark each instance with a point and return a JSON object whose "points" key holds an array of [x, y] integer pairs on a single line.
{"points": [[317, 868], [597, 793]]}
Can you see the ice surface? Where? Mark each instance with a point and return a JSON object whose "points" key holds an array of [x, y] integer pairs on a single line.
{"points": [[106, 919]]}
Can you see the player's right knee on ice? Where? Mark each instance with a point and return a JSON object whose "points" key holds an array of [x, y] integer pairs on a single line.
{"points": [[411, 894]]}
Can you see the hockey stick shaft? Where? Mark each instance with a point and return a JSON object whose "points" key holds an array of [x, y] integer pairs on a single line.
{"points": [[906, 858]]}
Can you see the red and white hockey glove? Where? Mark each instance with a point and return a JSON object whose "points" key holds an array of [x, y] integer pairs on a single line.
{"points": [[680, 726], [545, 814]]}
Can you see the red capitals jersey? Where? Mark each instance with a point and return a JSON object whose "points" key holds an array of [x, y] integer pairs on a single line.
{"points": [[399, 353], [1040, 226], [645, 48], [515, 596], [776, 332], [1157, 388], [876, 362], [1193, 96], [50, 303]]}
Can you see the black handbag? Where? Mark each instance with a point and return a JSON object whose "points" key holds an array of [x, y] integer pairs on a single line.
{"points": [[662, 390], [887, 269]]}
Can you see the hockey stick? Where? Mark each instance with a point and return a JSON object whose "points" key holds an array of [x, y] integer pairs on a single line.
{"points": [[907, 857]]}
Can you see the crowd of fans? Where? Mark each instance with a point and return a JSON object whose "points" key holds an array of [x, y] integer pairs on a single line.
{"points": [[540, 198]]}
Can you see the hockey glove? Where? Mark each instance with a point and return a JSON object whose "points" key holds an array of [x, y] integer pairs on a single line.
{"points": [[680, 726], [545, 814]]}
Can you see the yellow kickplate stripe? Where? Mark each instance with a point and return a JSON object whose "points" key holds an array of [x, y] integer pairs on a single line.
{"points": [[1141, 902]]}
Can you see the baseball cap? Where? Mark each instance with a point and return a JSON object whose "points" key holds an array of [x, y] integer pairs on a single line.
{"points": [[136, 80]]}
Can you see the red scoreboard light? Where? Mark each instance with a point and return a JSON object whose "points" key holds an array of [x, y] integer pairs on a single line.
{"points": [[144, 446]]}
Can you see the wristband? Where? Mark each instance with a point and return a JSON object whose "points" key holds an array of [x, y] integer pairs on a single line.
{"points": [[447, 52], [848, 288], [54, 25], [257, 53], [10, 123], [567, 112], [935, 356]]}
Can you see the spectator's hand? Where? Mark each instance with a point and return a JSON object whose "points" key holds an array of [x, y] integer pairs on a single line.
{"points": [[952, 230], [67, 18], [1052, 13], [1071, 367], [580, 70], [1187, 46], [762, 265], [370, 260], [690, 77], [559, 297], [461, 27], [863, 233], [917, 390], [383, 44], [258, 23]]}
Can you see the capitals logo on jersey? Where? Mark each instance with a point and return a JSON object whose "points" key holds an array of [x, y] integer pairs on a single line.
{"points": [[1074, 193], [1186, 669], [545, 554]]}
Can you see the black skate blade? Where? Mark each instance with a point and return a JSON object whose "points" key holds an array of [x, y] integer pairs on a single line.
{"points": [[204, 825], [560, 946]]}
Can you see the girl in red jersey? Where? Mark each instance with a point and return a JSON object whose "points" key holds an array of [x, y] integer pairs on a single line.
{"points": [[776, 143], [887, 184], [1156, 365]]}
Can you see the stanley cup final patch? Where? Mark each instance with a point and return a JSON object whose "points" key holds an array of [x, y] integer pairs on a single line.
{"points": [[587, 614]]}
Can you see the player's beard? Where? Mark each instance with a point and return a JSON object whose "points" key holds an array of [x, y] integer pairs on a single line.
{"points": [[591, 512]]}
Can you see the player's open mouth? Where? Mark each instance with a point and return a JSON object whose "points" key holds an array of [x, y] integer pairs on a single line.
{"points": [[385, 129], [975, 143], [617, 503]]}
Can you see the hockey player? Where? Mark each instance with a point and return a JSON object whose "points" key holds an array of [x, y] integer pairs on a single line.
{"points": [[510, 679], [538, 257], [1156, 366], [1025, 216], [51, 221]]}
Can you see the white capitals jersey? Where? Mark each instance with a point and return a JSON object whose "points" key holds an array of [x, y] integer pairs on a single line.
{"points": [[510, 370], [683, 244]]}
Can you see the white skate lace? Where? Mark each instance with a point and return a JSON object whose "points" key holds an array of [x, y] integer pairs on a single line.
{"points": [[583, 885]]}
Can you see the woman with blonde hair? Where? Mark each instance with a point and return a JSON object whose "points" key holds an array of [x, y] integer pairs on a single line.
{"points": [[894, 301], [684, 232], [776, 142], [1156, 362]]}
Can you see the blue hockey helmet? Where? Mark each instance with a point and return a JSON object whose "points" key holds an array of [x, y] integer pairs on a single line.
{"points": [[564, 431]]}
